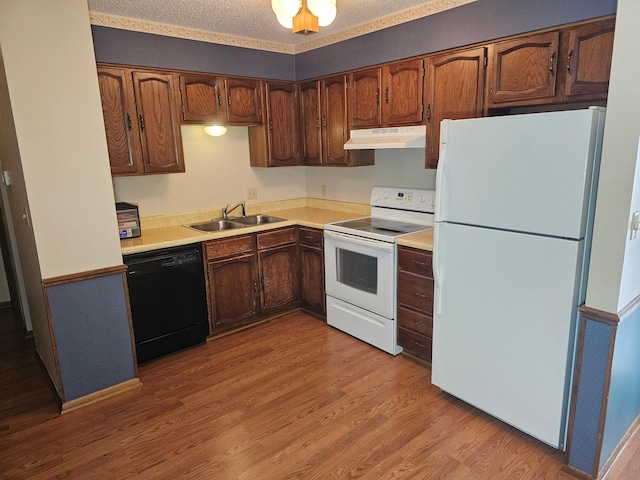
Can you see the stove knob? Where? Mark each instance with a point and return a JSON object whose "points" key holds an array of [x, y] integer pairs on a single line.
{"points": [[386, 195], [376, 197], [423, 198]]}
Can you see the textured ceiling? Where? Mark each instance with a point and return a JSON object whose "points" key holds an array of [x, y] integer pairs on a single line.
{"points": [[252, 23]]}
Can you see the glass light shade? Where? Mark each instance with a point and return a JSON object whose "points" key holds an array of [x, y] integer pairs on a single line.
{"points": [[321, 8], [285, 8], [286, 22], [215, 130], [325, 20]]}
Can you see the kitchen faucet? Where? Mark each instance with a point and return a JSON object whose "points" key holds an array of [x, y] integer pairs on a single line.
{"points": [[226, 210]]}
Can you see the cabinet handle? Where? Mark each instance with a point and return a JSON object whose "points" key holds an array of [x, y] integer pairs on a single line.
{"points": [[428, 113], [569, 61], [255, 287], [129, 124], [551, 59], [317, 124], [308, 237], [270, 124], [141, 122], [378, 96], [419, 323], [386, 95], [229, 99], [262, 283], [421, 295], [420, 344], [424, 264], [324, 122]]}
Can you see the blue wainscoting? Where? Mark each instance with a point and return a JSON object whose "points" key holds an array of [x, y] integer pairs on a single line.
{"points": [[624, 392], [90, 323]]}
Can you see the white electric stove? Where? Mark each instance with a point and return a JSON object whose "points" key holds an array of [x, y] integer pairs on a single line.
{"points": [[361, 263]]}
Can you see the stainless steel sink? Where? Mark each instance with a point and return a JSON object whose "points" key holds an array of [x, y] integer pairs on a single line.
{"points": [[258, 219], [221, 224], [216, 225]]}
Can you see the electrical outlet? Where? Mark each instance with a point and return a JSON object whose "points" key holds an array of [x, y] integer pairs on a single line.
{"points": [[635, 225], [324, 190], [252, 193]]}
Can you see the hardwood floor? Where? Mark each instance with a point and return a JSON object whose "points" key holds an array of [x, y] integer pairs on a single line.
{"points": [[291, 398]]}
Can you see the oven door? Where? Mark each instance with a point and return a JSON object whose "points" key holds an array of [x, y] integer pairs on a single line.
{"points": [[361, 271]]}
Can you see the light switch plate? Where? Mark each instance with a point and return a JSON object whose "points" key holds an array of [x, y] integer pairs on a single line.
{"points": [[252, 193], [635, 225]]}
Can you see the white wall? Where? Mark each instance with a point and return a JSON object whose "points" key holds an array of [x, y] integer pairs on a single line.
{"points": [[53, 88], [217, 173], [614, 278], [401, 168]]}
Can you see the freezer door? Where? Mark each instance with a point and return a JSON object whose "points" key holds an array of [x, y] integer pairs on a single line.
{"points": [[504, 324], [529, 173]]}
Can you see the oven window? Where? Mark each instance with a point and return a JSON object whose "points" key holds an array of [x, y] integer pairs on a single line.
{"points": [[357, 270]]}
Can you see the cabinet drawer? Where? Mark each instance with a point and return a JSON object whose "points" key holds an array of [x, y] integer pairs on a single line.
{"points": [[414, 343], [418, 322], [229, 246], [276, 237], [416, 261], [311, 237], [415, 291]]}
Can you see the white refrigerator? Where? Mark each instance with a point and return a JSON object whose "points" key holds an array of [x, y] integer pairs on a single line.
{"points": [[513, 221]]}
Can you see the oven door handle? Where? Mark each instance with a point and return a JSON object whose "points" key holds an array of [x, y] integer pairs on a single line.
{"points": [[365, 242]]}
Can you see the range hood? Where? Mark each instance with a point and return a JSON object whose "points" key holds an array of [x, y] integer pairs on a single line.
{"points": [[392, 137]]}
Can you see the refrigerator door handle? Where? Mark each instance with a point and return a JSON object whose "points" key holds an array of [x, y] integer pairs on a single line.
{"points": [[437, 290], [440, 172]]}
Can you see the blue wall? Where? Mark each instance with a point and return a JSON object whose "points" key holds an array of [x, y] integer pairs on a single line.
{"points": [[90, 323], [481, 21], [147, 50]]}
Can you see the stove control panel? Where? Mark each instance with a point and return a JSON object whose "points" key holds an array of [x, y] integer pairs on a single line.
{"points": [[414, 199]]}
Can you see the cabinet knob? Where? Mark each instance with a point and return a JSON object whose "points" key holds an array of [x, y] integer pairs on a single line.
{"points": [[141, 122], [428, 113], [551, 59], [129, 124], [569, 61]]}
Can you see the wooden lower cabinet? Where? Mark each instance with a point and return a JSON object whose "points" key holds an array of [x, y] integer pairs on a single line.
{"points": [[251, 276], [278, 267], [415, 301], [312, 290]]}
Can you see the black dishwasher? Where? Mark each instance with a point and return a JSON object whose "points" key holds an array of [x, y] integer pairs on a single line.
{"points": [[168, 300]]}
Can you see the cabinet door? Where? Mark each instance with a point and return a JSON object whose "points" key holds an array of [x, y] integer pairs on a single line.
{"points": [[233, 292], [402, 96], [334, 120], [120, 121], [454, 89], [202, 97], [310, 114], [278, 278], [312, 279], [157, 97], [524, 69], [364, 98], [589, 59], [282, 116], [244, 101]]}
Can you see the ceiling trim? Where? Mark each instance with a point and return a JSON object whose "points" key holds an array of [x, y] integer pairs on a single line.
{"points": [[420, 11]]}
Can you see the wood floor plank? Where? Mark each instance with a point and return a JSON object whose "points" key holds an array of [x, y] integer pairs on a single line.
{"points": [[289, 399]]}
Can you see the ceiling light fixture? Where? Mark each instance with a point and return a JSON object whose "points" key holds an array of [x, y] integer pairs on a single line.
{"points": [[304, 16], [215, 130]]}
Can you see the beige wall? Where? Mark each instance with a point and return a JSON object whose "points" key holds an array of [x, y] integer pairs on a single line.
{"points": [[614, 278], [217, 173], [53, 89]]}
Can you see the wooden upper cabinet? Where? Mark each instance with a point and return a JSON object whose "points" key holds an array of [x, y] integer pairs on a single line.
{"points": [[454, 89], [142, 121], [203, 99], [335, 132], [402, 95], [364, 98], [158, 118], [311, 133], [386, 96], [120, 121], [244, 101], [276, 143], [523, 70], [589, 60]]}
